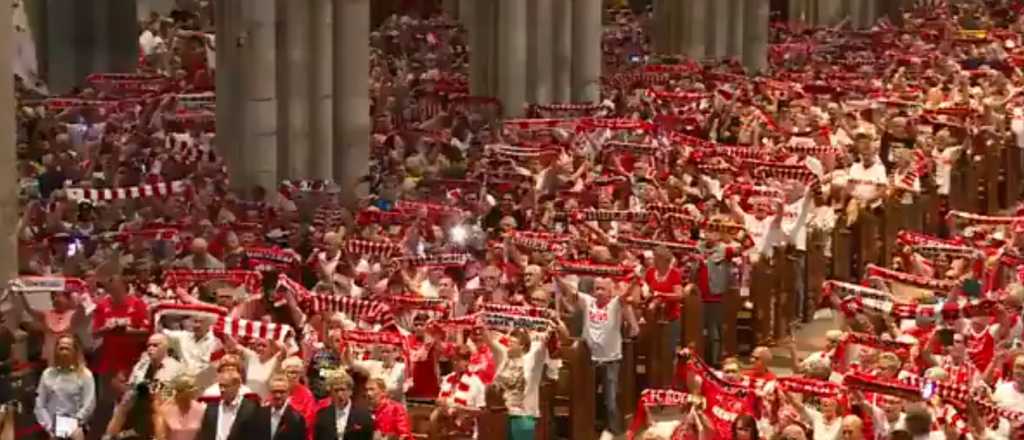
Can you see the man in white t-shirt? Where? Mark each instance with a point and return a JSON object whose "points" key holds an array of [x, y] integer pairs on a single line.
{"points": [[1009, 394], [602, 331]]}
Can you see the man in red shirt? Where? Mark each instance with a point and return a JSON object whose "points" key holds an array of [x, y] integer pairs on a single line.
{"points": [[121, 319]]}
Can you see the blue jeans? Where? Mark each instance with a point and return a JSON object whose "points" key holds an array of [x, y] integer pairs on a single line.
{"points": [[608, 374]]}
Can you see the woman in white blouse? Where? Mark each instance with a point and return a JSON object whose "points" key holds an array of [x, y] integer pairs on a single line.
{"points": [[66, 396]]}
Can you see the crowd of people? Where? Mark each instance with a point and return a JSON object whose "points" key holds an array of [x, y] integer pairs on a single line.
{"points": [[161, 305]]}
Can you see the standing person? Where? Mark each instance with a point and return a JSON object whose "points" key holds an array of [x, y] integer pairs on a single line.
{"points": [[602, 331], [284, 421], [342, 419], [66, 390], [390, 418], [65, 317], [665, 282], [520, 373], [182, 416], [234, 417], [714, 278]]}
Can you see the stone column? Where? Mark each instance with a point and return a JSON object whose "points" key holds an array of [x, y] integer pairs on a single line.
{"points": [[586, 50], [870, 13], [540, 74], [718, 28], [512, 56], [737, 15], [481, 48], [229, 34], [660, 27], [694, 23], [830, 12], [465, 12], [85, 36], [321, 88], [755, 35], [451, 7], [294, 152], [8, 188], [561, 46], [352, 123], [258, 152]]}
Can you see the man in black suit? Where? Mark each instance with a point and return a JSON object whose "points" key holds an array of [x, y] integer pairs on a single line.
{"points": [[343, 419], [233, 417], [283, 421]]}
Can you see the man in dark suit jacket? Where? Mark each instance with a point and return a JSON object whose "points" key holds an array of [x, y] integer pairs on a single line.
{"points": [[245, 422], [342, 416], [282, 421]]}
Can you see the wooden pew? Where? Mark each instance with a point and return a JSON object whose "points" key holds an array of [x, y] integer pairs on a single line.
{"points": [[731, 307], [895, 217], [546, 401], [783, 264], [931, 217], [990, 177], [628, 392], [582, 404], [842, 252], [958, 187], [693, 330], [1011, 174], [492, 423], [654, 352], [866, 236], [761, 285], [816, 269]]}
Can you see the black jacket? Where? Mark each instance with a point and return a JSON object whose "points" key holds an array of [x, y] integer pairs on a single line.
{"points": [[249, 425], [359, 426], [291, 427]]}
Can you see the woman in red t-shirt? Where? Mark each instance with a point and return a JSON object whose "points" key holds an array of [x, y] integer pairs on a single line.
{"points": [[666, 284]]}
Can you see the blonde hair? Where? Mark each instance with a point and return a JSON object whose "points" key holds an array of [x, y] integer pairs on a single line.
{"points": [[337, 378], [293, 361], [183, 383]]}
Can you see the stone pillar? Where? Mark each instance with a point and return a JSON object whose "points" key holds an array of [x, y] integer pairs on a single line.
{"points": [[561, 46], [294, 55], [352, 125], [830, 12], [482, 34], [540, 73], [737, 15], [661, 32], [451, 7], [694, 24], [586, 50], [321, 89], [512, 56], [8, 188], [86, 36], [870, 13], [229, 34], [755, 35], [465, 12], [718, 28], [258, 151]]}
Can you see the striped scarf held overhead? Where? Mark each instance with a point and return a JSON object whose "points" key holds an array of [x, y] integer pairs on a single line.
{"points": [[188, 278], [161, 189], [247, 329], [989, 220], [610, 215], [648, 244], [47, 284], [376, 249], [921, 282], [272, 258], [435, 260]]}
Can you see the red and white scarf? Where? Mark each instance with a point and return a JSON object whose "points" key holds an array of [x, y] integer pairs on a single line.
{"points": [[188, 278], [161, 189]]}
